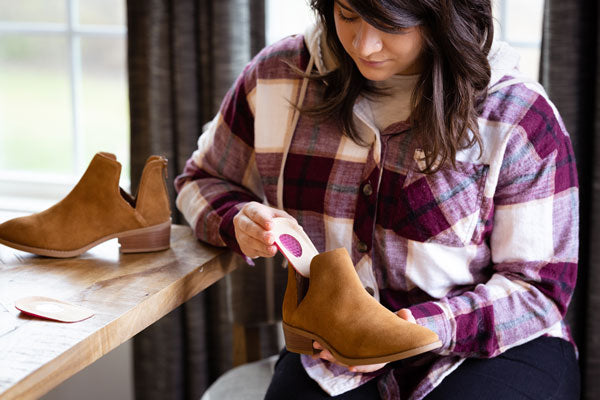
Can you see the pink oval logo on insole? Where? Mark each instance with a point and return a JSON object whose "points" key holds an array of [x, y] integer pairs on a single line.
{"points": [[291, 244]]}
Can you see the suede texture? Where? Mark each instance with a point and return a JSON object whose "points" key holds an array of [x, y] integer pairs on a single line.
{"points": [[152, 199], [338, 309], [94, 209]]}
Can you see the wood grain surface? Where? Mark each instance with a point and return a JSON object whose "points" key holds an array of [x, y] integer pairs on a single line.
{"points": [[127, 293]]}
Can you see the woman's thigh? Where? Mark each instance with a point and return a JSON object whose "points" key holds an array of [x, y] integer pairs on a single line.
{"points": [[545, 368], [290, 381]]}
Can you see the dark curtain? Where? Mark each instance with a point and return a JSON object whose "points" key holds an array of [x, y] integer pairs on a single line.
{"points": [[183, 56], [570, 72]]}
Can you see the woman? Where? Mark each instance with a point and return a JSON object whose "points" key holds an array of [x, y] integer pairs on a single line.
{"points": [[395, 129]]}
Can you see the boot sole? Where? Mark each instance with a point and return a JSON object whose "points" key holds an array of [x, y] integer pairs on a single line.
{"points": [[142, 240], [301, 341]]}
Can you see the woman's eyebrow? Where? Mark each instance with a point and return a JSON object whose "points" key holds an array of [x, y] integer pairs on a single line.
{"points": [[344, 6]]}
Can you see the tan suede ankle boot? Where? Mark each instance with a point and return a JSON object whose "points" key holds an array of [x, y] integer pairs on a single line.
{"points": [[96, 210], [338, 313]]}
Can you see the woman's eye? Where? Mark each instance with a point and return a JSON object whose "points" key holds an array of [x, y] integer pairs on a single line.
{"points": [[347, 18]]}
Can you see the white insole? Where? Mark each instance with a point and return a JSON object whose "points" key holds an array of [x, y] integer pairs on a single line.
{"points": [[49, 308], [294, 244]]}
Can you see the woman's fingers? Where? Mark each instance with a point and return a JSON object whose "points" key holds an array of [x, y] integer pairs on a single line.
{"points": [[251, 228], [252, 247], [283, 214], [252, 225], [325, 354], [263, 215], [256, 247], [366, 368], [260, 214], [406, 314]]}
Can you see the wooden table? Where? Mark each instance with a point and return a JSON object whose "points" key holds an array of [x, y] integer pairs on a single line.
{"points": [[127, 292]]}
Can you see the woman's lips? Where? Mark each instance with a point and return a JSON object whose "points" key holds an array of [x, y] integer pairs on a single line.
{"points": [[373, 64]]}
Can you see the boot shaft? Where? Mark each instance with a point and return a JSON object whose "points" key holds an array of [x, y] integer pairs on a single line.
{"points": [[152, 200], [290, 298]]}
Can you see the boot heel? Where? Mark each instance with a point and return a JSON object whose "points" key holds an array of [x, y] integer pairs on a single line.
{"points": [[153, 238], [297, 343]]}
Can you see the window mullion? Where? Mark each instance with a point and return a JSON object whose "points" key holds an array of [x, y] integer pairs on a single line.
{"points": [[75, 82], [32, 28], [503, 18]]}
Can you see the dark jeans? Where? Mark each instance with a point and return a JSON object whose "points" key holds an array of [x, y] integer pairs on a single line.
{"points": [[545, 368]]}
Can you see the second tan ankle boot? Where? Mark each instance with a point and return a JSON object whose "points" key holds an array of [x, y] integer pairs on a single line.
{"points": [[338, 313], [96, 210]]}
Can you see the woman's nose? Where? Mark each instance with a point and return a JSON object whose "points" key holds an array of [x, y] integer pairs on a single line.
{"points": [[367, 40]]}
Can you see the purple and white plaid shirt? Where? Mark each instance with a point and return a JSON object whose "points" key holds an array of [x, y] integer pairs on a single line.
{"points": [[484, 254]]}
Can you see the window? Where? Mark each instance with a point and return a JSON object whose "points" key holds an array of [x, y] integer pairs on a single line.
{"points": [[285, 18], [63, 94], [517, 22], [520, 24]]}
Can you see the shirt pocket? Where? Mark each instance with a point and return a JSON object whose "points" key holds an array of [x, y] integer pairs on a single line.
{"points": [[443, 207]]}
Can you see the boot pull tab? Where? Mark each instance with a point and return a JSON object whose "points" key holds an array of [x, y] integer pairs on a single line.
{"points": [[164, 161]]}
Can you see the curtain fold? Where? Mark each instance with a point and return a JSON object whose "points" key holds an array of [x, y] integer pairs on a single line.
{"points": [[183, 56], [570, 72]]}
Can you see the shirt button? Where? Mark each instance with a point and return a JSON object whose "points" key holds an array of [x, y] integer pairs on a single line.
{"points": [[370, 290], [362, 247], [367, 189]]}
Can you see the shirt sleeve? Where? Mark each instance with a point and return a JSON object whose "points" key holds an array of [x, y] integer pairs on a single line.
{"points": [[221, 175], [533, 239]]}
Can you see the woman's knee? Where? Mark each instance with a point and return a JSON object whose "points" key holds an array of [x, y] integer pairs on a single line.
{"points": [[541, 369]]}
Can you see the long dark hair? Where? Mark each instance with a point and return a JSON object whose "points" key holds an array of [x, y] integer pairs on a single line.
{"points": [[453, 83]]}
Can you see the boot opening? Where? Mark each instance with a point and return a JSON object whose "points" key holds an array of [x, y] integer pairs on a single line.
{"points": [[301, 286], [128, 198]]}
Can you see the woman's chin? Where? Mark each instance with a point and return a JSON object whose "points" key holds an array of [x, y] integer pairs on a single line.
{"points": [[375, 74]]}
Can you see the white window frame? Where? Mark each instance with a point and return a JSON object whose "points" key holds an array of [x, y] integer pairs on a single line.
{"points": [[23, 191]]}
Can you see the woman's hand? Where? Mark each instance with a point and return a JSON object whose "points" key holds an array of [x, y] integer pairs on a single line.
{"points": [[326, 354], [406, 314], [252, 224]]}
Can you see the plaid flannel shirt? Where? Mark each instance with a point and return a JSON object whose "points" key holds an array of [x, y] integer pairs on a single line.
{"points": [[484, 254]]}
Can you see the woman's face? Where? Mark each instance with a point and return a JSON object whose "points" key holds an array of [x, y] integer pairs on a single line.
{"points": [[377, 54]]}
